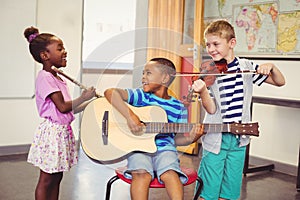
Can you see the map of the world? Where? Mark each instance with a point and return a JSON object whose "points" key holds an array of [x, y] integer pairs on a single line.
{"points": [[262, 27]]}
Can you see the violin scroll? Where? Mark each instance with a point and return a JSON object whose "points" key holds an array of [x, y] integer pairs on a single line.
{"points": [[189, 97]]}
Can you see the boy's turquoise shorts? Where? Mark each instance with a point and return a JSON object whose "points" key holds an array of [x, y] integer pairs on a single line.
{"points": [[222, 173]]}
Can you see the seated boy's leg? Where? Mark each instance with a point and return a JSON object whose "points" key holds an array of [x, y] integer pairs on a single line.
{"points": [[139, 188], [139, 161], [168, 160], [140, 170], [173, 184], [169, 172]]}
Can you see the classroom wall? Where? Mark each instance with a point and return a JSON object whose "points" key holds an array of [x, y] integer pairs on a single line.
{"points": [[279, 134], [104, 81], [279, 138], [19, 117], [279, 126]]}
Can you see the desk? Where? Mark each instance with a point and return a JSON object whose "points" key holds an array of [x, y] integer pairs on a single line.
{"points": [[277, 102], [247, 169], [298, 176]]}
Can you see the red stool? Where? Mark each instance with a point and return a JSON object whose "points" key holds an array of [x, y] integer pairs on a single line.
{"points": [[191, 174]]}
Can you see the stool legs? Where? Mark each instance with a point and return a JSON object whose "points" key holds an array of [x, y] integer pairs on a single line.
{"points": [[114, 178], [108, 186], [198, 190]]}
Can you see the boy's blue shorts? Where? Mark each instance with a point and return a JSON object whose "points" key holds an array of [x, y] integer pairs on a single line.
{"points": [[156, 164], [222, 173]]}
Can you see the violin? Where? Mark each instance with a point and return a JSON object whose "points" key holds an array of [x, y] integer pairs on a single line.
{"points": [[212, 67], [207, 67], [208, 71]]}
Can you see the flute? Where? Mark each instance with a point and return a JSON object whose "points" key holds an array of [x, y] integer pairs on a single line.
{"points": [[72, 79]]}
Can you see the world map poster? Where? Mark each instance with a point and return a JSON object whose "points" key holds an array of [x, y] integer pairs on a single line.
{"points": [[262, 28]]}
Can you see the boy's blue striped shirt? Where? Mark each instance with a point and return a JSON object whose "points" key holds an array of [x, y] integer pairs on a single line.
{"points": [[175, 110]]}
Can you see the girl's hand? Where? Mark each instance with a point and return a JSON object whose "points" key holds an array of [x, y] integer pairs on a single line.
{"points": [[88, 93], [265, 68], [198, 86]]}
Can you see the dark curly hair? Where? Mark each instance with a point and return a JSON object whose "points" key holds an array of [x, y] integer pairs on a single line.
{"points": [[166, 66], [37, 42]]}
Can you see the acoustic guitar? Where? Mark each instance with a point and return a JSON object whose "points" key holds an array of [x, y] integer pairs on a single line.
{"points": [[105, 136]]}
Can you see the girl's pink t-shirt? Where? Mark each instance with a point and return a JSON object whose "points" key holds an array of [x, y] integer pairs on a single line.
{"points": [[46, 84]]}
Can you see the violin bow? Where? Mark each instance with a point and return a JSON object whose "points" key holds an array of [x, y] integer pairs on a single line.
{"points": [[215, 74], [190, 95]]}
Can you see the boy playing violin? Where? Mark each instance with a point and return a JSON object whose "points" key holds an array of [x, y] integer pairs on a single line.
{"points": [[223, 156]]}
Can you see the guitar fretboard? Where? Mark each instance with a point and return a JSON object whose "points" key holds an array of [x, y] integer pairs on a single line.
{"points": [[158, 127]]}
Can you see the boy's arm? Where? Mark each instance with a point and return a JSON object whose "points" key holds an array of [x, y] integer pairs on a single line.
{"points": [[275, 76], [117, 98], [193, 136], [208, 103], [67, 106]]}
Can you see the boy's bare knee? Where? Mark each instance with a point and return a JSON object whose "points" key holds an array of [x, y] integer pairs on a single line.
{"points": [[141, 175], [170, 174]]}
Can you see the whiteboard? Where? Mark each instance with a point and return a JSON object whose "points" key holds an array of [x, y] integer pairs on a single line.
{"points": [[17, 75], [291, 90]]}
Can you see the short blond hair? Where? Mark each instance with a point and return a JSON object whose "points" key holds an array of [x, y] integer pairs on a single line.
{"points": [[221, 28]]}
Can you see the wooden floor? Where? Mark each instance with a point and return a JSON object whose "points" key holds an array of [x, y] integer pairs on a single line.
{"points": [[87, 181]]}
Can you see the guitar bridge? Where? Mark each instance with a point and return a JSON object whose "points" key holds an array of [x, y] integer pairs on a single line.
{"points": [[105, 128]]}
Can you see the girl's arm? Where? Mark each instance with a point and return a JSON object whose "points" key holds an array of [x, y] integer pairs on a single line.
{"points": [[67, 106], [275, 76], [82, 106]]}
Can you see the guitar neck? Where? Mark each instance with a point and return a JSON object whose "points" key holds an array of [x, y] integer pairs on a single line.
{"points": [[158, 127], [234, 128]]}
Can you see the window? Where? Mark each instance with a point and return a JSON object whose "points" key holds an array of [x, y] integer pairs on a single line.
{"points": [[108, 34]]}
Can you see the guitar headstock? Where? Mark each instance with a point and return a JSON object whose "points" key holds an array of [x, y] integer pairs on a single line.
{"points": [[244, 128]]}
